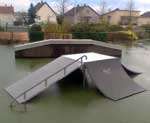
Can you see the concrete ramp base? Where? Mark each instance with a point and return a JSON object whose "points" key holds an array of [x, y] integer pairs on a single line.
{"points": [[111, 79]]}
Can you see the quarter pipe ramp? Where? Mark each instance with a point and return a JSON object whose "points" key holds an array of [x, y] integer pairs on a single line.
{"points": [[110, 78]]}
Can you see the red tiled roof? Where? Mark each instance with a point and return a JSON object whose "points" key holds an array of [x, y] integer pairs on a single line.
{"points": [[6, 9]]}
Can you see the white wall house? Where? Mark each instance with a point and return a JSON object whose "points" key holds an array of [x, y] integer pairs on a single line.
{"points": [[6, 15], [144, 19], [45, 13], [121, 17], [81, 14]]}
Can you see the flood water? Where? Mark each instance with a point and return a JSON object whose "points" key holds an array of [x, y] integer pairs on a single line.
{"points": [[75, 104]]}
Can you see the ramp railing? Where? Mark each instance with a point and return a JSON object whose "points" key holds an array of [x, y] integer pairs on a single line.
{"points": [[46, 79]]}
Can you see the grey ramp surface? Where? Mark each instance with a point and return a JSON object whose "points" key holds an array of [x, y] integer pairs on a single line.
{"points": [[39, 75], [111, 79]]}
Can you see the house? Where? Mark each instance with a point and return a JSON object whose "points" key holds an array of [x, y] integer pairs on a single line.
{"points": [[45, 13], [144, 19], [81, 14], [6, 15], [121, 17]]}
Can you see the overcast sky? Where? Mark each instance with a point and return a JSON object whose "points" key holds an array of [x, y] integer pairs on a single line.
{"points": [[23, 5]]}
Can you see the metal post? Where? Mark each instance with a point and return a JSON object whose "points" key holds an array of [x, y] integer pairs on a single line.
{"points": [[45, 83], [25, 107], [11, 106], [83, 71], [24, 96], [64, 71], [84, 76]]}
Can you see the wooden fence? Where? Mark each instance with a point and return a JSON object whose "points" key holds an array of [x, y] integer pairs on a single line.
{"points": [[13, 37], [57, 35]]}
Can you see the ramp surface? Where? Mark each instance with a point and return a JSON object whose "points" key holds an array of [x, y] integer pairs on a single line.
{"points": [[91, 56], [111, 79], [38, 76]]}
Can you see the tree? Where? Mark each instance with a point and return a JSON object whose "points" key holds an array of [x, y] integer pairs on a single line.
{"points": [[103, 10], [31, 14], [21, 18], [103, 7], [62, 8], [60, 19], [130, 8], [24, 17]]}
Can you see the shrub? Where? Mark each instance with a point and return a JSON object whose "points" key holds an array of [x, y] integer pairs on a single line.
{"points": [[57, 28], [90, 31], [147, 29], [1, 28], [18, 23], [122, 36], [102, 32], [36, 36], [35, 33], [101, 36], [35, 27], [112, 28]]}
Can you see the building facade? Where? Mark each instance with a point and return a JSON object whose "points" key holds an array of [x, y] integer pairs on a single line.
{"points": [[6, 15], [121, 17], [144, 19], [45, 13], [82, 14]]}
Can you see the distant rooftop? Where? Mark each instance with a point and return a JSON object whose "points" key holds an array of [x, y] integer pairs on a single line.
{"points": [[117, 9], [146, 14], [38, 6], [78, 9], [6, 9]]}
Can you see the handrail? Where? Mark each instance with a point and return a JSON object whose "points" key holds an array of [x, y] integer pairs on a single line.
{"points": [[45, 80]]}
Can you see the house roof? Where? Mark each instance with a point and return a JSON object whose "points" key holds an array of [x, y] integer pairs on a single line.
{"points": [[117, 9], [78, 9], [146, 14], [6, 9], [40, 4]]}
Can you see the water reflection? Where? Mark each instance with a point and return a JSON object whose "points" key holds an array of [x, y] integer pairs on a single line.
{"points": [[137, 58], [7, 65]]}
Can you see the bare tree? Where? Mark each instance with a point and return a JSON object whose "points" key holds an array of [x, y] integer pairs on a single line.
{"points": [[61, 6], [130, 8], [103, 7], [103, 10]]}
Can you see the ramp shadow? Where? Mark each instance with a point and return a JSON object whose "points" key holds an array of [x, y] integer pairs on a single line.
{"points": [[70, 89]]}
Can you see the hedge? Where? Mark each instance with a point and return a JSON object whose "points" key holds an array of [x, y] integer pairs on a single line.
{"points": [[100, 36], [36, 36]]}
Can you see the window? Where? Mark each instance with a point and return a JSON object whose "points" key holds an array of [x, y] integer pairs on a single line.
{"points": [[126, 20], [85, 19], [109, 19]]}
